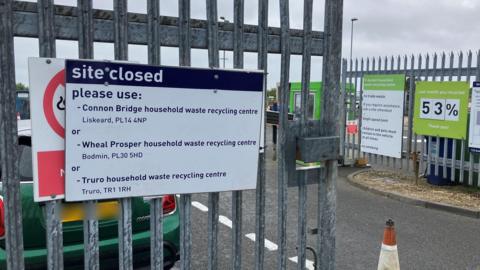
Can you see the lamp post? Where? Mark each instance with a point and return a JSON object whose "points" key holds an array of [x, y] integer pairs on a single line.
{"points": [[351, 37], [224, 58]]}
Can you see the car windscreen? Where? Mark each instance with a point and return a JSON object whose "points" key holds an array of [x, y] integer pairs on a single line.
{"points": [[25, 163], [22, 105]]}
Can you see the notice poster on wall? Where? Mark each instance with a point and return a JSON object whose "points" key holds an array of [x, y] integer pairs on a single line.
{"points": [[382, 114], [139, 130], [441, 109], [474, 131]]}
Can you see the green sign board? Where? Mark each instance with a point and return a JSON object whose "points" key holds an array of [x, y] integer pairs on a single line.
{"points": [[382, 114], [441, 109]]}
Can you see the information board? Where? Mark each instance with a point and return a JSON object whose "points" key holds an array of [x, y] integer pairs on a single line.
{"points": [[441, 109], [138, 130], [474, 131], [382, 114], [47, 110]]}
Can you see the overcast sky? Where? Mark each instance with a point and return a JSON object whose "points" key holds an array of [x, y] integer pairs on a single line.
{"points": [[384, 28]]}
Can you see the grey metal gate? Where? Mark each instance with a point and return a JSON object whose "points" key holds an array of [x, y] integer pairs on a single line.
{"points": [[427, 67], [48, 22]]}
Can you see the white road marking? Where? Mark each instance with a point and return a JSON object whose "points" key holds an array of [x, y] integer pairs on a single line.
{"points": [[225, 221], [200, 206], [308, 265], [268, 244]]}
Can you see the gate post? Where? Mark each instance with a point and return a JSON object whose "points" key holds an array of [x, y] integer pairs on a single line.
{"points": [[330, 127], [8, 142]]}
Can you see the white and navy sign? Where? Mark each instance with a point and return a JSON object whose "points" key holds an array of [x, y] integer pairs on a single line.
{"points": [[474, 128], [138, 130]]}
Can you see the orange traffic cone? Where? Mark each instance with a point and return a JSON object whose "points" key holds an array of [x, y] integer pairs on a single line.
{"points": [[388, 254]]}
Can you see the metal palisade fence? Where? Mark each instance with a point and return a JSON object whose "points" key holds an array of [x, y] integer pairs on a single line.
{"points": [[49, 22], [455, 156]]}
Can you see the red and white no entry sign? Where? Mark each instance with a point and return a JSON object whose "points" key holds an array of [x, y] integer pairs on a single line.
{"points": [[56, 85], [47, 106]]}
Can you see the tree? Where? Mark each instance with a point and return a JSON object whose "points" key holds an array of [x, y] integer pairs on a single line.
{"points": [[21, 87], [272, 94]]}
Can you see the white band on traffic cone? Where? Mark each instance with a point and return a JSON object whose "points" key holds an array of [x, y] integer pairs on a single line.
{"points": [[388, 258], [389, 248]]}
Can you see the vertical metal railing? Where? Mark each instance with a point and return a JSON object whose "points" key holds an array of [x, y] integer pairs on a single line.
{"points": [[156, 209], [477, 78], [454, 141], [428, 138], [8, 142], [375, 155], [283, 101], [46, 38], [357, 106], [359, 109], [359, 78], [385, 159], [437, 139], [344, 112], [90, 223], [125, 258], [429, 142], [471, 156], [185, 199], [395, 69], [412, 137], [392, 69], [261, 186], [463, 141], [434, 78], [304, 117], [411, 98], [353, 106], [370, 156], [238, 14], [213, 198], [445, 144]]}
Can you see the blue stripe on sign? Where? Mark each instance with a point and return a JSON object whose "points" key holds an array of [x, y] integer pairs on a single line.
{"points": [[96, 72], [476, 84]]}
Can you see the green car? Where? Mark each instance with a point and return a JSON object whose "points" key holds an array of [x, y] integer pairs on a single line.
{"points": [[34, 234]]}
